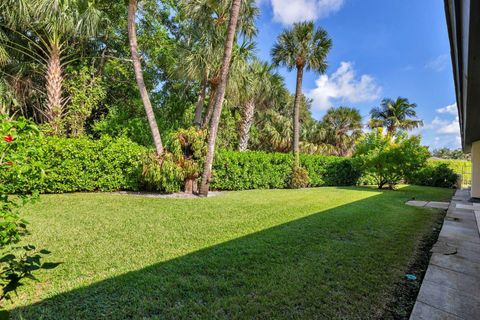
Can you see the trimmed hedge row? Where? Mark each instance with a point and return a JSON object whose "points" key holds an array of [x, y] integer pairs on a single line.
{"points": [[458, 166], [107, 164], [70, 165], [435, 174], [261, 170]]}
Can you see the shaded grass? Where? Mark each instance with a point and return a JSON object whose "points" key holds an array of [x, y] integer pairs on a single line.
{"points": [[312, 253]]}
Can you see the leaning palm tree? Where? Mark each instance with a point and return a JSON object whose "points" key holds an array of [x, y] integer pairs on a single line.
{"points": [[220, 95], [343, 127], [394, 115], [132, 36], [302, 47], [204, 28]]}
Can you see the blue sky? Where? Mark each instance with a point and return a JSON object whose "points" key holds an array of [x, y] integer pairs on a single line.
{"points": [[381, 48]]}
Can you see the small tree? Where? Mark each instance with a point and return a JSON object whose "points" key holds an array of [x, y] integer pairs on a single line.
{"points": [[389, 160]]}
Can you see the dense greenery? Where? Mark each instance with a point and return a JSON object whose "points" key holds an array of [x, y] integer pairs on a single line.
{"points": [[389, 159], [109, 164], [435, 175], [78, 164], [180, 47], [18, 261], [449, 154], [260, 170]]}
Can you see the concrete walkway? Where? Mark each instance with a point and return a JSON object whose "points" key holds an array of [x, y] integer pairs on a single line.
{"points": [[451, 287], [429, 204]]}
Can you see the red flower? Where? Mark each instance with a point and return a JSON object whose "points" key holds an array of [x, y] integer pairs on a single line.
{"points": [[8, 138], [8, 163]]}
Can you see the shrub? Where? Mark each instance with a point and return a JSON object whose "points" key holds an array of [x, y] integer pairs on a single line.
{"points": [[16, 262], [250, 170], [299, 178], [330, 171], [189, 148], [261, 170], [435, 175], [390, 160], [161, 174], [458, 166], [81, 164]]}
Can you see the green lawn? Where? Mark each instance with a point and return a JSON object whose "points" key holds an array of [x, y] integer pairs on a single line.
{"points": [[312, 253]]}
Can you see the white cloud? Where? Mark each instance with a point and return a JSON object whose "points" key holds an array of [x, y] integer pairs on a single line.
{"points": [[450, 109], [344, 85], [439, 63], [288, 12], [445, 126], [444, 132]]}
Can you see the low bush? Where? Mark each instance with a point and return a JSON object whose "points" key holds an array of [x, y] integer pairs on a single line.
{"points": [[161, 174], [82, 164], [435, 175], [18, 261], [299, 178], [261, 170]]}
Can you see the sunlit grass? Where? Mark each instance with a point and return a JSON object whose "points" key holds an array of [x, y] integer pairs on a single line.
{"points": [[325, 252]]}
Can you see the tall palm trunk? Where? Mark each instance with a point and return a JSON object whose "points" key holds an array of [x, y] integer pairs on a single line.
{"points": [[296, 117], [132, 36], [220, 95], [248, 111], [54, 80], [197, 122], [391, 129], [211, 104]]}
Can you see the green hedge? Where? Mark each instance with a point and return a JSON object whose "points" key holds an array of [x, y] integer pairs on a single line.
{"points": [[458, 166], [82, 164], [261, 170], [435, 175]]}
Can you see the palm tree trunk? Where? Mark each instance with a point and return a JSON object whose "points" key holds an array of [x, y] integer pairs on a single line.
{"points": [[132, 36], [391, 130], [54, 80], [197, 122], [220, 95], [296, 117], [248, 111], [211, 104]]}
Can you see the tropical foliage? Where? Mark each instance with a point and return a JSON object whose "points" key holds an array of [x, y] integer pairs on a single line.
{"points": [[17, 262], [389, 160], [166, 75], [395, 114]]}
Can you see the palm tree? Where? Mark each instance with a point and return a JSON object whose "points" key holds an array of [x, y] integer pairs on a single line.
{"points": [[56, 22], [35, 47], [241, 54], [132, 36], [276, 131], [220, 95], [343, 127], [302, 47], [259, 87], [395, 114], [204, 26]]}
